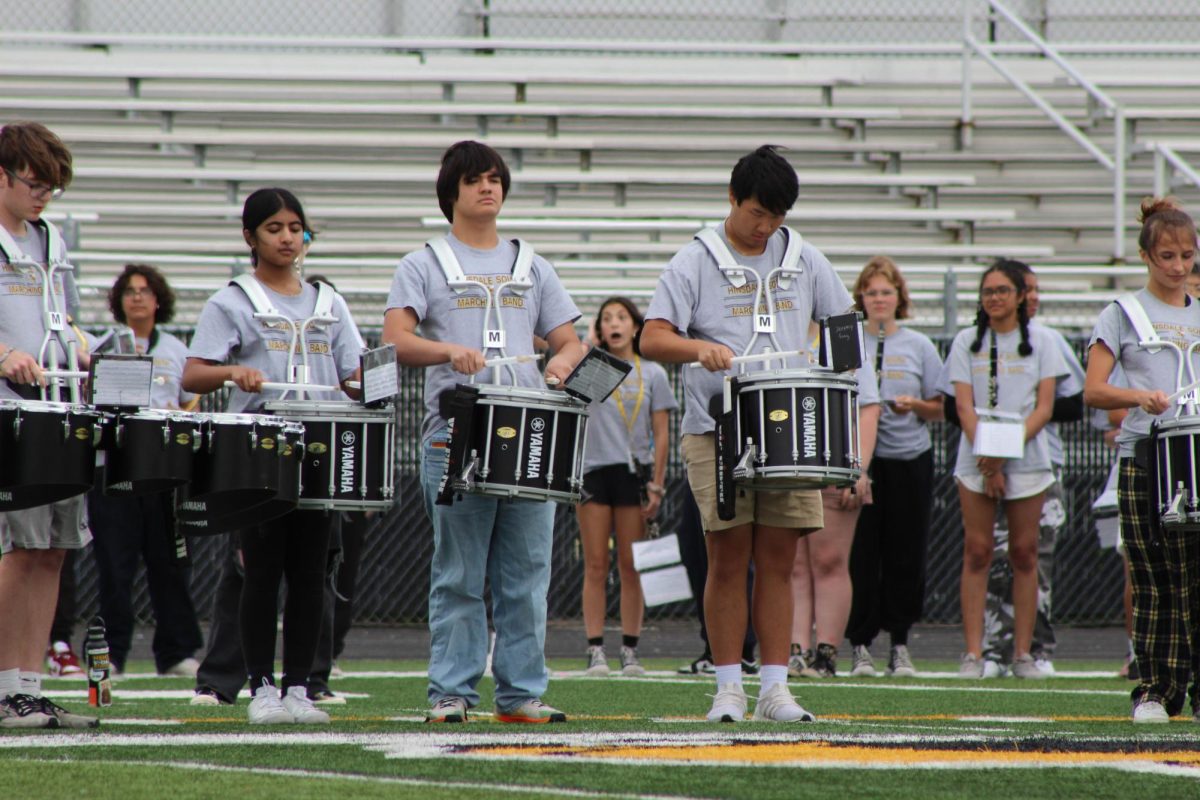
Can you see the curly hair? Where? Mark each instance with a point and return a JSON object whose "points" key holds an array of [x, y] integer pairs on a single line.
{"points": [[882, 267], [157, 283]]}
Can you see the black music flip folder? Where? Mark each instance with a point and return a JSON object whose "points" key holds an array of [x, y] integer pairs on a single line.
{"points": [[596, 376], [380, 381]]}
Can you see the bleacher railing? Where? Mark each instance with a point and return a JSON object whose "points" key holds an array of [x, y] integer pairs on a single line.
{"points": [[1114, 162], [1166, 158]]}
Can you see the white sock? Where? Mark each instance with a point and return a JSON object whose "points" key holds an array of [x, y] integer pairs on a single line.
{"points": [[731, 673], [31, 683], [772, 674], [10, 682]]}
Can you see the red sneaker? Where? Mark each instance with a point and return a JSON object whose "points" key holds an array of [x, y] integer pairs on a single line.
{"points": [[61, 660]]}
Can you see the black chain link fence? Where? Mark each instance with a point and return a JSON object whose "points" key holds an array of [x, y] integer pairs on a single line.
{"points": [[393, 581]]}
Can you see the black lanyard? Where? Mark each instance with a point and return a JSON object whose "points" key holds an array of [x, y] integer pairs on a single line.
{"points": [[879, 362], [993, 382]]}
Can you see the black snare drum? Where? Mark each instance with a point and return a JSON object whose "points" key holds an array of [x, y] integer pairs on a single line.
{"points": [[521, 443], [47, 451], [246, 472], [1175, 474], [151, 451], [796, 429], [349, 454]]}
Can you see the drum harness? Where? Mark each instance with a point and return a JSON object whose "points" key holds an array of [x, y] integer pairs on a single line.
{"points": [[53, 316], [1185, 398], [726, 424], [458, 404]]}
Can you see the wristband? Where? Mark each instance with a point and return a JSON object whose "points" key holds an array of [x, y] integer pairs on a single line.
{"points": [[653, 488]]}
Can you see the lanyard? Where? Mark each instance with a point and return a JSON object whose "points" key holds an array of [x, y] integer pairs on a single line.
{"points": [[993, 372], [631, 419], [879, 362]]}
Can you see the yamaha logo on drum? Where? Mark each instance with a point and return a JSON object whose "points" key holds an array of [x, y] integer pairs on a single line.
{"points": [[347, 468], [809, 405], [533, 467]]}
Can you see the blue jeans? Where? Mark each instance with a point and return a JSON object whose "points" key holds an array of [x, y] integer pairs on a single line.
{"points": [[508, 543]]}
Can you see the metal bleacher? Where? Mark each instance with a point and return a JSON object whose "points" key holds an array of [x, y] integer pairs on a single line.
{"points": [[615, 163]]}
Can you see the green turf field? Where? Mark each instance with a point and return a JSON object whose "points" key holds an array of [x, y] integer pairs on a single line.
{"points": [[929, 737]]}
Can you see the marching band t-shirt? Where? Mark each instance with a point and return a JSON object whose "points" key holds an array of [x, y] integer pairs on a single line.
{"points": [[227, 329], [701, 303], [169, 355], [1072, 384], [911, 366], [1143, 369], [446, 316], [22, 321], [1017, 380], [610, 438]]}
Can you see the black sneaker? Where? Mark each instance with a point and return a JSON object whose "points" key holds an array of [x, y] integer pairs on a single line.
{"points": [[25, 711], [825, 661], [67, 719], [702, 665], [749, 666]]}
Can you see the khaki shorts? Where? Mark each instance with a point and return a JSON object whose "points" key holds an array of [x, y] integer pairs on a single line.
{"points": [[789, 508], [61, 526]]}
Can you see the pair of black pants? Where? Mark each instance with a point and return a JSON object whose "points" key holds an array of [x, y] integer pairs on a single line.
{"points": [[349, 530], [887, 559], [294, 546], [124, 529], [694, 555]]}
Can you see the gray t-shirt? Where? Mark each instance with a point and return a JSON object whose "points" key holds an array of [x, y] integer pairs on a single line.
{"points": [[169, 355], [22, 322], [699, 301], [611, 437], [445, 316], [1143, 369], [1017, 380], [227, 330], [1070, 385], [911, 366]]}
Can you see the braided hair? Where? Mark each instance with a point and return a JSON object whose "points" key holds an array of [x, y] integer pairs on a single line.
{"points": [[1015, 275]]}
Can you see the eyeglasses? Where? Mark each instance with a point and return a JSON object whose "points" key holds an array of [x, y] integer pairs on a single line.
{"points": [[140, 291], [38, 190], [997, 291]]}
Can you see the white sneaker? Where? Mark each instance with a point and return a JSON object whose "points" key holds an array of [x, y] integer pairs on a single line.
{"points": [[184, 669], [796, 664], [1045, 665], [864, 665], [631, 667], [1025, 667], [335, 671], [729, 704], [1150, 712], [297, 704], [597, 661], [265, 708], [900, 663], [205, 697], [778, 705], [971, 666], [992, 669]]}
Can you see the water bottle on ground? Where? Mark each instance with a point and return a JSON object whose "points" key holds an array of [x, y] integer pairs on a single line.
{"points": [[99, 668]]}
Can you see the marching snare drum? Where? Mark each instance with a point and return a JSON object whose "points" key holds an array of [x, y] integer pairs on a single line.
{"points": [[796, 429], [522, 443], [47, 451], [246, 472], [349, 453], [1174, 473], [151, 450]]}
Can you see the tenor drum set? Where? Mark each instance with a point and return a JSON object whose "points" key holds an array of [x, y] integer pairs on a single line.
{"points": [[228, 471]]}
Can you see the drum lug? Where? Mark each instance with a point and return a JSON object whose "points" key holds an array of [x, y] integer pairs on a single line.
{"points": [[119, 434], [166, 433], [66, 425], [17, 425], [1174, 514], [744, 469], [254, 438], [466, 479]]}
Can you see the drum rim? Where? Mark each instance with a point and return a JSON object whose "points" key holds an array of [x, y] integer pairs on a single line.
{"points": [[554, 397], [49, 406], [243, 418]]}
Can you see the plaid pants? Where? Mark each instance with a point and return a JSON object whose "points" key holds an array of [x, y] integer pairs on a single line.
{"points": [[1164, 568]]}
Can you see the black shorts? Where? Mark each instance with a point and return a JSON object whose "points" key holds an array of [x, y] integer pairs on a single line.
{"points": [[613, 485]]}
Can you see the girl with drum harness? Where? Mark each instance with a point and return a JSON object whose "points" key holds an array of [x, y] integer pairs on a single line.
{"points": [[622, 481], [887, 558], [1004, 375], [1164, 564], [257, 351]]}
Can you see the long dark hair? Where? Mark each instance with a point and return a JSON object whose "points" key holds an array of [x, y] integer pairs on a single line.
{"points": [[1017, 277], [634, 314], [265, 203]]}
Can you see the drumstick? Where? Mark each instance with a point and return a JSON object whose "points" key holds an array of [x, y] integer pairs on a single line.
{"points": [[296, 387], [783, 354], [65, 373], [500, 361]]}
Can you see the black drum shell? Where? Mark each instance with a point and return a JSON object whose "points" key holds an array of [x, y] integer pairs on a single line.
{"points": [[41, 461], [141, 460], [237, 469], [342, 467]]}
